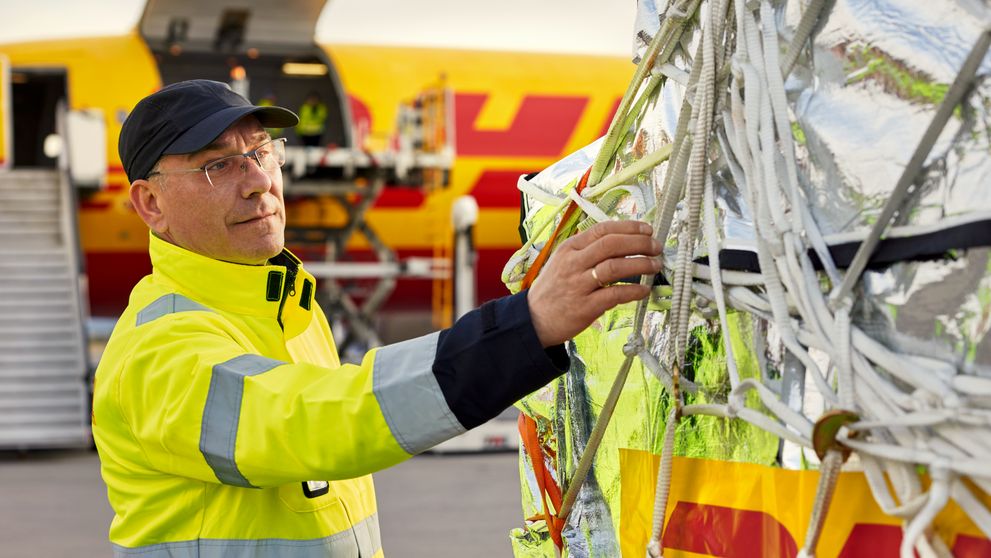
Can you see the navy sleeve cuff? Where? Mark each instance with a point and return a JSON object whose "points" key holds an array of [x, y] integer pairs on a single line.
{"points": [[491, 358]]}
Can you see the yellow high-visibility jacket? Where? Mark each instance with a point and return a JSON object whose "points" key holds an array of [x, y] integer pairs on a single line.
{"points": [[220, 395], [312, 119]]}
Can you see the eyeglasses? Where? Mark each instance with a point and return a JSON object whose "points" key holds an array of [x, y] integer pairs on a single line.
{"points": [[227, 171]]}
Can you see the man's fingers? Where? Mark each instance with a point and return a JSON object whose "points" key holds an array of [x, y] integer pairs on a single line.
{"points": [[604, 299], [568, 296], [615, 269], [617, 246], [599, 230]]}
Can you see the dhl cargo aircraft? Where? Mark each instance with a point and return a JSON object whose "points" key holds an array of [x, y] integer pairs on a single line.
{"points": [[513, 113]]}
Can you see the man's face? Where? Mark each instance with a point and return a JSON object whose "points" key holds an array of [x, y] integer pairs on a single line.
{"points": [[242, 222]]}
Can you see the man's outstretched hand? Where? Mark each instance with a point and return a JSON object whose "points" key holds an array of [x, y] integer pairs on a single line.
{"points": [[567, 296]]}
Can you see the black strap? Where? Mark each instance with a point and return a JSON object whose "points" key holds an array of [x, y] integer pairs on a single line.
{"points": [[936, 245]]}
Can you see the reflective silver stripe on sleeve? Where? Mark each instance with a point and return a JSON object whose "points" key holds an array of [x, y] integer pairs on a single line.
{"points": [[223, 411], [411, 400], [346, 544], [168, 304]]}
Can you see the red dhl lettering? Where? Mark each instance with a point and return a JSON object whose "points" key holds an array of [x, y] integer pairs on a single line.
{"points": [[410, 198], [360, 115], [871, 540], [971, 547], [541, 127], [733, 533], [95, 204], [497, 188], [727, 532]]}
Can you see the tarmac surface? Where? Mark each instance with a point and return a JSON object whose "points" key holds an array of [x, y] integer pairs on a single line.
{"points": [[53, 504]]}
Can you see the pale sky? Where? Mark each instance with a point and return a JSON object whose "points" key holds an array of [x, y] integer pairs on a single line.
{"points": [[577, 26]]}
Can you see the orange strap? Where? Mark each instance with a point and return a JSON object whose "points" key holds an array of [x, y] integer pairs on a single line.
{"points": [[528, 427], [545, 482], [545, 253]]}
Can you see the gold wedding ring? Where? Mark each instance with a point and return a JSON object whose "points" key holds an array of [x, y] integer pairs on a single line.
{"points": [[597, 280]]}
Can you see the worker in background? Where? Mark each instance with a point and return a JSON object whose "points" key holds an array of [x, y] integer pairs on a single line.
{"points": [[225, 423], [312, 120], [270, 100]]}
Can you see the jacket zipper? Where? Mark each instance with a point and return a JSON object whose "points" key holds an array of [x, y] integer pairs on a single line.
{"points": [[288, 290]]}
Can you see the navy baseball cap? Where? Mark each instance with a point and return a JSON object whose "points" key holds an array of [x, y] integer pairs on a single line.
{"points": [[185, 117]]}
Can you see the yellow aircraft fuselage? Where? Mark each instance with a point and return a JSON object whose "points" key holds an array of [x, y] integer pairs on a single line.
{"points": [[515, 113]]}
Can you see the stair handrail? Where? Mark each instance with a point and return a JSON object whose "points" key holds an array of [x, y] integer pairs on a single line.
{"points": [[69, 233]]}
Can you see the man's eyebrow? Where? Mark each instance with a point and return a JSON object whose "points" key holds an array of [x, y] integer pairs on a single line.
{"points": [[261, 137], [220, 145], [215, 145]]}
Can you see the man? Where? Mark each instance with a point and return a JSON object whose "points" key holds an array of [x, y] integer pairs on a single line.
{"points": [[221, 410], [312, 120], [271, 100]]}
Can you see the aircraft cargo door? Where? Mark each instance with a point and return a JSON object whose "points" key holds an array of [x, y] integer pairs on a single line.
{"points": [[264, 51], [35, 95]]}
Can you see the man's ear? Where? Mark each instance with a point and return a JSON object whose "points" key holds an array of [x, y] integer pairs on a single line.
{"points": [[145, 198]]}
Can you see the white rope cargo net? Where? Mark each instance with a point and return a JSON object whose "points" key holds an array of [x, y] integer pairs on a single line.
{"points": [[893, 411]]}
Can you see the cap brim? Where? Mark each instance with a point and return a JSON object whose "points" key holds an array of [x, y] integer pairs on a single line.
{"points": [[210, 128]]}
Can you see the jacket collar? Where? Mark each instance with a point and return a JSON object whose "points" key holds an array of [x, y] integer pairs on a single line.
{"points": [[244, 289]]}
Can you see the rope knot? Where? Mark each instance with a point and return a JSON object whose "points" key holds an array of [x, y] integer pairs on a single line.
{"points": [[634, 345], [732, 407]]}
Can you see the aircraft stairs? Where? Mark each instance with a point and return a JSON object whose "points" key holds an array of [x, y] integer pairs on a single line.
{"points": [[44, 365]]}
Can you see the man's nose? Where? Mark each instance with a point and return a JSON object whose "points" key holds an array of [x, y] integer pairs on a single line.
{"points": [[255, 180]]}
